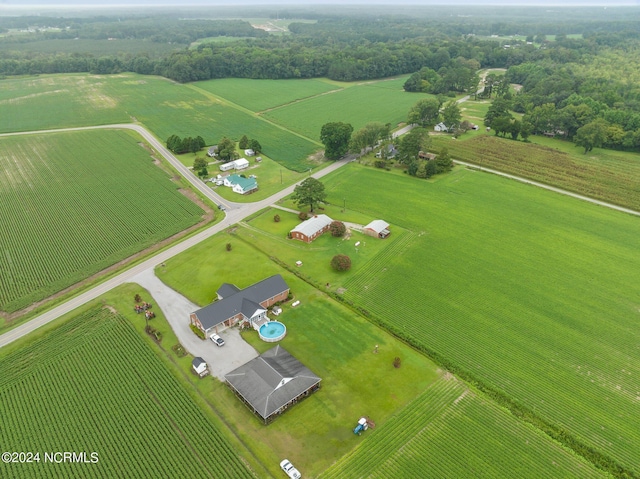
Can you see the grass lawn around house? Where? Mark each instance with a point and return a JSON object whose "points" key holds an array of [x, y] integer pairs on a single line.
{"points": [[332, 341]]}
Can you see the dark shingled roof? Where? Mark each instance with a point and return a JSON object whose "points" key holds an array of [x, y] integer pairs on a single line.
{"points": [[244, 301], [197, 362], [227, 289], [271, 380]]}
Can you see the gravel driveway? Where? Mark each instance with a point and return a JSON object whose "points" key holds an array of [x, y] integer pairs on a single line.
{"points": [[176, 308]]}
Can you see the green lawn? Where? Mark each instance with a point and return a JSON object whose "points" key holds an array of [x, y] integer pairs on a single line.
{"points": [[332, 341], [75, 203], [533, 294]]}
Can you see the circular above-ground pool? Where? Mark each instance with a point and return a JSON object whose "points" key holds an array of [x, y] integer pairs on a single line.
{"points": [[272, 331]]}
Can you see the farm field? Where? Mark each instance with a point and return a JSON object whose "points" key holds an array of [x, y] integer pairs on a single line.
{"points": [[532, 294], [61, 101], [95, 47], [318, 430], [75, 203], [426, 439], [360, 103], [94, 385], [164, 107], [603, 174], [259, 95]]}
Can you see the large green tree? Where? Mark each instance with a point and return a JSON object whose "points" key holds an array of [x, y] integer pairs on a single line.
{"points": [[226, 149], [335, 136], [451, 115], [592, 135], [425, 112], [310, 192], [412, 143], [369, 135]]}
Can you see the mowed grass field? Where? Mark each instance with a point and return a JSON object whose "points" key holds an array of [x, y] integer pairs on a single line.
{"points": [[163, 106], [93, 385], [449, 431], [75, 203], [531, 293], [414, 408], [332, 341], [260, 95], [358, 104], [607, 175]]}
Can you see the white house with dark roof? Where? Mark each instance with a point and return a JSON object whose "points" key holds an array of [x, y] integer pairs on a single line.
{"points": [[272, 382], [310, 229], [377, 229], [235, 305]]}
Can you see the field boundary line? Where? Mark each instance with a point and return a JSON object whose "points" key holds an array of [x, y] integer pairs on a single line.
{"points": [[293, 102], [549, 187]]}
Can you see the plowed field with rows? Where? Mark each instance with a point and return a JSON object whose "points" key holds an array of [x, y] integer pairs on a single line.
{"points": [[75, 203], [94, 385]]}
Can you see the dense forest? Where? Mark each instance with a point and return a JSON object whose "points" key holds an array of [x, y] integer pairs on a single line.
{"points": [[568, 62]]}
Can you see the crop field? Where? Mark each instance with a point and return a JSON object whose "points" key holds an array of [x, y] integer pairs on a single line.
{"points": [[60, 101], [164, 107], [75, 203], [384, 101], [608, 175], [448, 431], [98, 48], [528, 292], [259, 95], [94, 386]]}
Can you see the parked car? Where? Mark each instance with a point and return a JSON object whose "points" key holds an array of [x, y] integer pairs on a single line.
{"points": [[217, 340], [291, 471]]}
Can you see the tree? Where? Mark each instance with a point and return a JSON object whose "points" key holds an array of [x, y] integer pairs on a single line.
{"points": [[368, 136], [425, 112], [335, 136], [443, 161], [337, 228], [412, 143], [309, 192], [432, 168], [228, 247], [341, 262], [255, 145], [276, 218], [244, 142], [499, 108], [174, 143], [226, 149], [200, 166], [592, 135], [451, 115]]}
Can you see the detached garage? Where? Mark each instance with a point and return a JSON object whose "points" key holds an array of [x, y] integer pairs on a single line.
{"points": [[377, 229]]}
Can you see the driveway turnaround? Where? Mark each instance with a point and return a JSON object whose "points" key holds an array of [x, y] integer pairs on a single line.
{"points": [[176, 308]]}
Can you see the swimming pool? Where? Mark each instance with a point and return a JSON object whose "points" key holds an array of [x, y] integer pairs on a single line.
{"points": [[272, 331]]}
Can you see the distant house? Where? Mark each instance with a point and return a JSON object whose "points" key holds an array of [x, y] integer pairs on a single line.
{"points": [[391, 152], [249, 152], [272, 382], [213, 151], [241, 185], [200, 366], [236, 305], [310, 229], [377, 229], [440, 127]]}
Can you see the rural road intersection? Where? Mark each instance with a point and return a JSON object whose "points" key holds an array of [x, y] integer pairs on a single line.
{"points": [[235, 213]]}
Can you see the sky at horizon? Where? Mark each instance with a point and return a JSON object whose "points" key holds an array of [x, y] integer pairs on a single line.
{"points": [[186, 3]]}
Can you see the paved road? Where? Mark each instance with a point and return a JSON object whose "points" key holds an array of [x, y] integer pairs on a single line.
{"points": [[235, 213]]}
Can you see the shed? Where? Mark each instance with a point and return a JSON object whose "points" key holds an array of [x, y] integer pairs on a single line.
{"points": [[213, 151], [377, 229], [249, 152], [200, 366]]}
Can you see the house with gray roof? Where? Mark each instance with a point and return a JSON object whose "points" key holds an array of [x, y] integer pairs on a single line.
{"points": [[272, 382], [310, 229], [377, 229], [235, 305]]}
